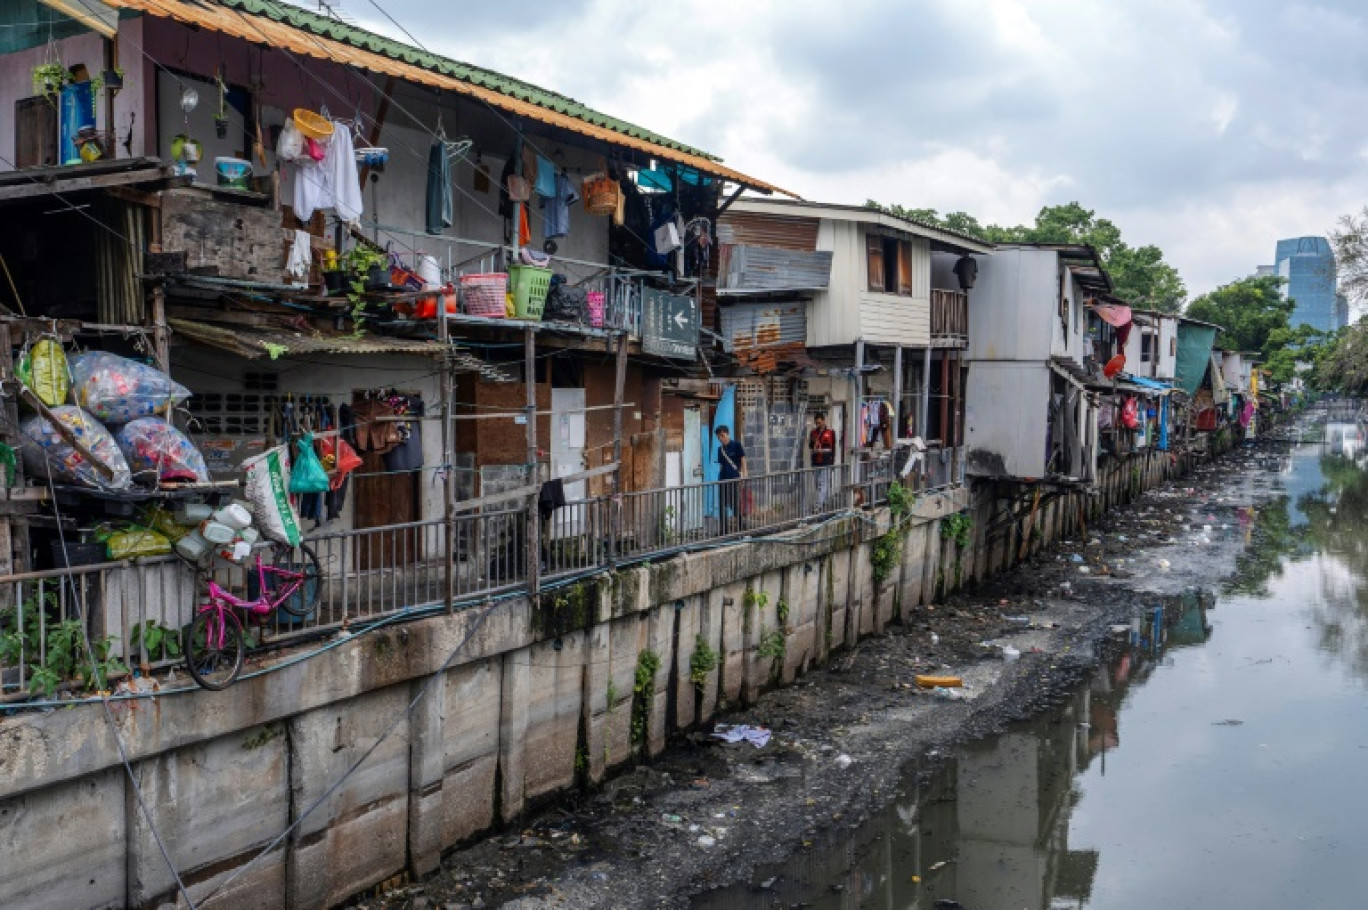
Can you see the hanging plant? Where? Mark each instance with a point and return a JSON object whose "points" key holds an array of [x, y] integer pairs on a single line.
{"points": [[48, 79], [221, 115]]}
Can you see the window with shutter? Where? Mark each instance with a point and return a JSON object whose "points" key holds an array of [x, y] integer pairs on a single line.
{"points": [[904, 268], [874, 247]]}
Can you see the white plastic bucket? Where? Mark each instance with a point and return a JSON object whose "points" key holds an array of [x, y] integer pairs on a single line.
{"points": [[430, 272]]}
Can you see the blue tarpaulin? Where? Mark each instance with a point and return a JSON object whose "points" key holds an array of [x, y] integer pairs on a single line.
{"points": [[723, 416]]}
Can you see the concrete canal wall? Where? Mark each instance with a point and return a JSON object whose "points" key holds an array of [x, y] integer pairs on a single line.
{"points": [[392, 746]]}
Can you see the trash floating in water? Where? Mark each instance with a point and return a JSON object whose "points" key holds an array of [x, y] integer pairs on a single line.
{"points": [[1009, 653], [735, 733], [844, 761], [938, 682]]}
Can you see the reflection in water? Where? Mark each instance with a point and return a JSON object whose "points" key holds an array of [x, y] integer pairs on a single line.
{"points": [[992, 829], [1335, 526], [1213, 777]]}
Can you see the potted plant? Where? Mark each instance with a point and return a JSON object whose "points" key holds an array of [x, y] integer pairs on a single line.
{"points": [[370, 265], [48, 79]]}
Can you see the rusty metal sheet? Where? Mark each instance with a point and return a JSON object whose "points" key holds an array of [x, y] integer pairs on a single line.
{"points": [[783, 232]]}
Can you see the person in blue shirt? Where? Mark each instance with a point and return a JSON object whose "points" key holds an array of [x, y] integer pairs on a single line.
{"points": [[731, 460]]}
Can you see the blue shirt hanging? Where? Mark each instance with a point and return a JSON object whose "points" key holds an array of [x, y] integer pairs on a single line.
{"points": [[556, 210], [546, 178]]}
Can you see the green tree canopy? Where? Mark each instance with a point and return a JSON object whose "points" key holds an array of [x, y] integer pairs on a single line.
{"points": [[1141, 276], [1342, 365], [1247, 310]]}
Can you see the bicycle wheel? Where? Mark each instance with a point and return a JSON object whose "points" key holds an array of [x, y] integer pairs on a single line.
{"points": [[301, 559], [214, 660]]}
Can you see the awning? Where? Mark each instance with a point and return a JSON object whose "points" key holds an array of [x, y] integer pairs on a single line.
{"points": [[255, 342], [308, 34], [1070, 371], [1154, 385]]}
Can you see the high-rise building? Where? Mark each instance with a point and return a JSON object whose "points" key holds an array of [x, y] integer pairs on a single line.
{"points": [[1307, 266]]}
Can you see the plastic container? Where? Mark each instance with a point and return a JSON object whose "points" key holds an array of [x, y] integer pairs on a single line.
{"points": [[193, 513], [193, 546], [596, 300], [216, 532], [234, 516], [311, 125], [232, 172], [430, 272], [249, 536], [485, 294], [529, 286]]}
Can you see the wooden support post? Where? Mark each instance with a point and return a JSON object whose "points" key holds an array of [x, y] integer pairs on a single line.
{"points": [[856, 396], [533, 474], [449, 457], [615, 504], [897, 392], [1030, 525], [945, 399], [924, 411], [161, 341]]}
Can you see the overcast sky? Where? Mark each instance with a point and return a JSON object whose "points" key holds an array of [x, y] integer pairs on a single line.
{"points": [[1208, 127]]}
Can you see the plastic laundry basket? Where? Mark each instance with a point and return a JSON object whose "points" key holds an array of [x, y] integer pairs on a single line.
{"points": [[529, 286], [484, 294]]}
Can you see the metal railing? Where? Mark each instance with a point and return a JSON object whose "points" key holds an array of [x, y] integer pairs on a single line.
{"points": [[949, 316], [134, 611]]}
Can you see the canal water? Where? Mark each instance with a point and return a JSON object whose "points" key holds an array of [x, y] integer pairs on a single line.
{"points": [[1220, 764]]}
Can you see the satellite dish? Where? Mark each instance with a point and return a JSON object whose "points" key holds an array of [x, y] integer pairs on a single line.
{"points": [[1114, 366]]}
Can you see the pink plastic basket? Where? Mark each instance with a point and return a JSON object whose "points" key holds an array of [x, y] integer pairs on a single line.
{"points": [[485, 294], [596, 301]]}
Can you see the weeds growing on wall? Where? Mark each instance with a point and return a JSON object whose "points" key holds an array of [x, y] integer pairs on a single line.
{"points": [[703, 662], [886, 552], [957, 527], [643, 692]]}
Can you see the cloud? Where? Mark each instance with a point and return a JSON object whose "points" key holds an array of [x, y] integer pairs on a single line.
{"points": [[1208, 127]]}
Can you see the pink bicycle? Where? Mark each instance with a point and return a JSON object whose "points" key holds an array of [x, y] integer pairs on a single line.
{"points": [[214, 641]]}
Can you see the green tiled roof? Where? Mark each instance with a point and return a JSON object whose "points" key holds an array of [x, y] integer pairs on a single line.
{"points": [[326, 27]]}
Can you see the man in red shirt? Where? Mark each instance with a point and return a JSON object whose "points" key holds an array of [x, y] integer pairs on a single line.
{"points": [[822, 445]]}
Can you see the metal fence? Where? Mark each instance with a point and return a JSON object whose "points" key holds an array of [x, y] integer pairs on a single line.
{"points": [[134, 612]]}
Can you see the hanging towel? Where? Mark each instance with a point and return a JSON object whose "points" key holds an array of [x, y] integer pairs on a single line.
{"points": [[546, 178], [439, 208], [524, 228], [340, 164], [301, 256], [310, 190]]}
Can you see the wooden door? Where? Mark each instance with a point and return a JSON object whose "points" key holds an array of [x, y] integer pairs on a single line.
{"points": [[384, 498], [35, 133]]}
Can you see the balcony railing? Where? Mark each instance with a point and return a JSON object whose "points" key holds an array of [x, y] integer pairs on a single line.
{"points": [[134, 611], [949, 318]]}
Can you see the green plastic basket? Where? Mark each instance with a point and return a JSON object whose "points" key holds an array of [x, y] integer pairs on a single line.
{"points": [[528, 285]]}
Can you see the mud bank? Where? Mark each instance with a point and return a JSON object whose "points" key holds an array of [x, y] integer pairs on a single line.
{"points": [[704, 814]]}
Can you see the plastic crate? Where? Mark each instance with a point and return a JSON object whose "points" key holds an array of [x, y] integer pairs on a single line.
{"points": [[485, 294], [528, 285]]}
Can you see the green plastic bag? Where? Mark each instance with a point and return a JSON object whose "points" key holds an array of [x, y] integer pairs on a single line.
{"points": [[134, 541], [307, 474]]}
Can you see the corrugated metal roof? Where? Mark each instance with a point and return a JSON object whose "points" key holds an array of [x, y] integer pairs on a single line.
{"points": [[766, 270], [254, 342], [307, 34]]}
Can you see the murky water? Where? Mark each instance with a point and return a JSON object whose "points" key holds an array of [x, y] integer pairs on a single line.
{"points": [[1225, 766]]}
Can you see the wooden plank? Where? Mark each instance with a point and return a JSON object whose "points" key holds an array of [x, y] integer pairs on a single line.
{"points": [[39, 187]]}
